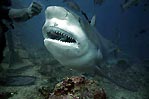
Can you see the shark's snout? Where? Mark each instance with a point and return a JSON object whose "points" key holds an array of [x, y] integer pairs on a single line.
{"points": [[56, 12]]}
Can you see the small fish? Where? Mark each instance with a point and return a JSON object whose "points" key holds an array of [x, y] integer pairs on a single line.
{"points": [[129, 3]]}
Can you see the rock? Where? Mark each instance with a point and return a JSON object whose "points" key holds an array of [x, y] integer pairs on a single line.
{"points": [[76, 87]]}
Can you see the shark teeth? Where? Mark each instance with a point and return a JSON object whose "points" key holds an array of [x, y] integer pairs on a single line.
{"points": [[60, 36]]}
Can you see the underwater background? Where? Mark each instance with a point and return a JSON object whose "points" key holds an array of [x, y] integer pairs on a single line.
{"points": [[128, 28]]}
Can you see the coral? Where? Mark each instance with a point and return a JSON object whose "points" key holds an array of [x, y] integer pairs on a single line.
{"points": [[77, 87]]}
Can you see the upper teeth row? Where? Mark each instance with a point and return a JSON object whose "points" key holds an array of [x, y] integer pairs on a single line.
{"points": [[63, 34]]}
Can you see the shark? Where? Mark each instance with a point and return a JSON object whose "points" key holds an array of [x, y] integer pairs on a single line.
{"points": [[77, 44]]}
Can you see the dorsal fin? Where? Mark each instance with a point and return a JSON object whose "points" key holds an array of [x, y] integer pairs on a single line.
{"points": [[93, 20]]}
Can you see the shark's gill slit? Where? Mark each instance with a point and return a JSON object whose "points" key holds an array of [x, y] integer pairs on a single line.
{"points": [[57, 35]]}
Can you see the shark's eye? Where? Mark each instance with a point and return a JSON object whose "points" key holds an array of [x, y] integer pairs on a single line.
{"points": [[56, 35]]}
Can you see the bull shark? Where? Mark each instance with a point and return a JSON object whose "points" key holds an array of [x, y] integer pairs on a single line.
{"points": [[77, 44]]}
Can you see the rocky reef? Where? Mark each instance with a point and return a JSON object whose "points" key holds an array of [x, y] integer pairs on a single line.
{"points": [[75, 87]]}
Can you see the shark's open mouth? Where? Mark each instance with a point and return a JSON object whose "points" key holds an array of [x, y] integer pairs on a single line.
{"points": [[60, 35]]}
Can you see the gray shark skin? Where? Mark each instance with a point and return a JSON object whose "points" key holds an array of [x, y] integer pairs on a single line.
{"points": [[76, 44]]}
